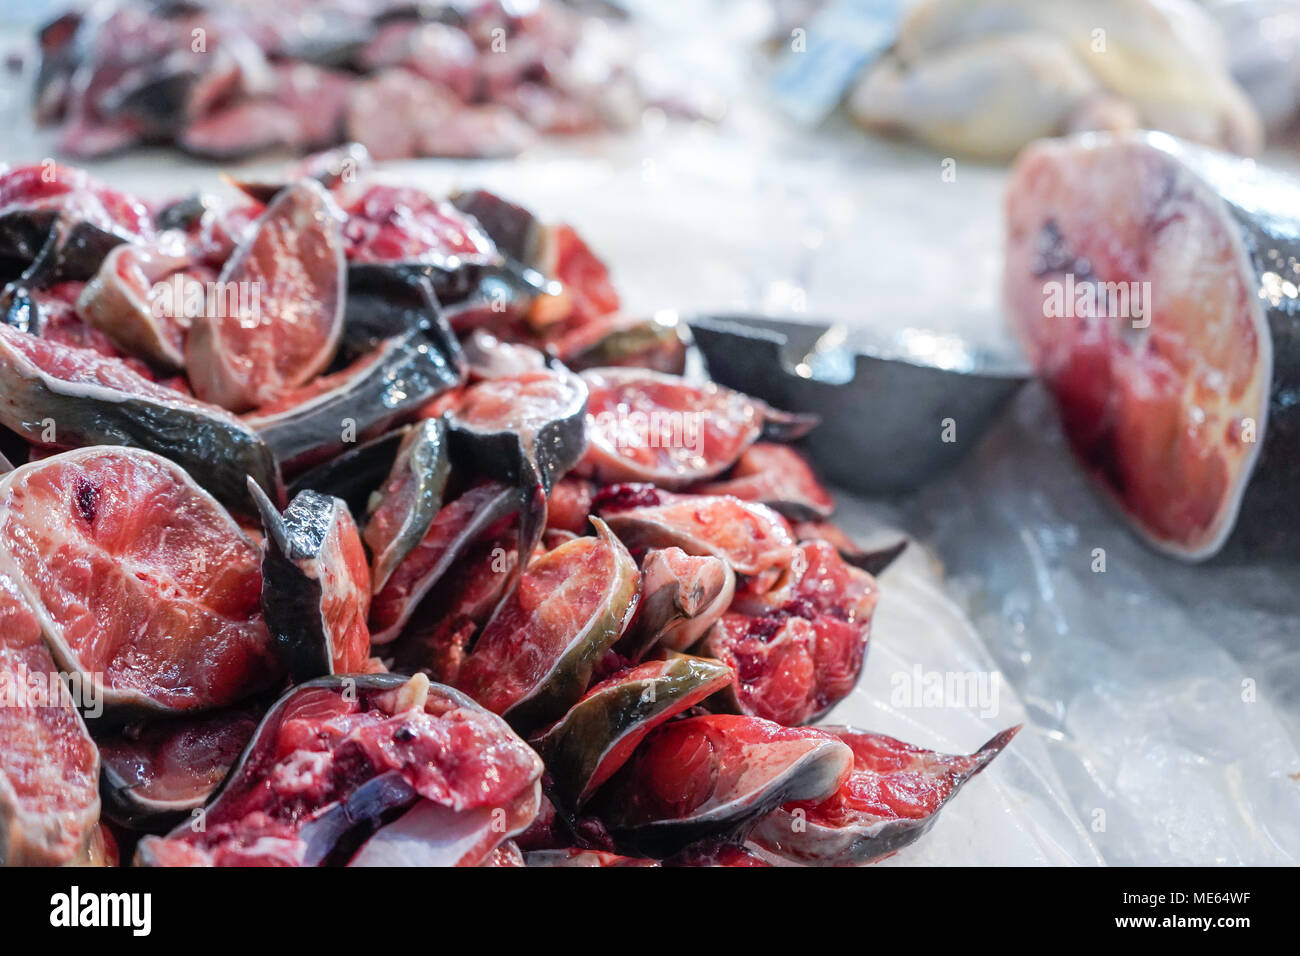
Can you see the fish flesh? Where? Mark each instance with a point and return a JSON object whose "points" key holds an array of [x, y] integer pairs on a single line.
{"points": [[1154, 285]]}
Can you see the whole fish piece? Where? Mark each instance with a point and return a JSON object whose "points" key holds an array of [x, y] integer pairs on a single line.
{"points": [[1154, 285]]}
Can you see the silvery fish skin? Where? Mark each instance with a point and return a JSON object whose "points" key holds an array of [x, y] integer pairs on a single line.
{"points": [[863, 823]]}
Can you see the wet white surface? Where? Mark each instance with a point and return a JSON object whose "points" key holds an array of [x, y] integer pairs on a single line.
{"points": [[1016, 812]]}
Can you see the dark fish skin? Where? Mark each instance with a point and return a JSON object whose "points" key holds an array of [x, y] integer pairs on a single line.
{"points": [[420, 472], [123, 799], [406, 373], [296, 553], [528, 459], [354, 474], [1266, 208], [515, 231], [493, 502], [58, 44], [387, 298], [212, 445], [384, 301], [52, 246]]}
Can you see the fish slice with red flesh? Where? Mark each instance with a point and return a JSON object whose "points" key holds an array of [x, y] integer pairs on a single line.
{"points": [[50, 313], [1148, 280], [404, 506], [714, 777], [315, 585], [564, 255], [141, 581], [892, 796], [388, 224], [681, 596], [49, 766], [536, 656], [527, 431], [752, 538], [33, 197], [339, 755], [157, 772], [873, 555], [601, 731], [651, 427], [571, 501], [443, 627], [282, 311], [778, 477], [120, 301], [458, 524], [94, 399], [798, 650]]}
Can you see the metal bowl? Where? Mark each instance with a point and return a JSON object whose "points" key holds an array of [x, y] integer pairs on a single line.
{"points": [[895, 412]]}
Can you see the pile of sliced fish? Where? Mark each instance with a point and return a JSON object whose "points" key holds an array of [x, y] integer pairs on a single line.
{"points": [[357, 526], [222, 80]]}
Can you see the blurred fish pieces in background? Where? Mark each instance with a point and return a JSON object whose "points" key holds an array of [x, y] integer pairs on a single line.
{"points": [[227, 80]]}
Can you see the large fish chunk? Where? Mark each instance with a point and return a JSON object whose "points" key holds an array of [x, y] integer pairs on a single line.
{"points": [[142, 583], [1155, 286]]}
